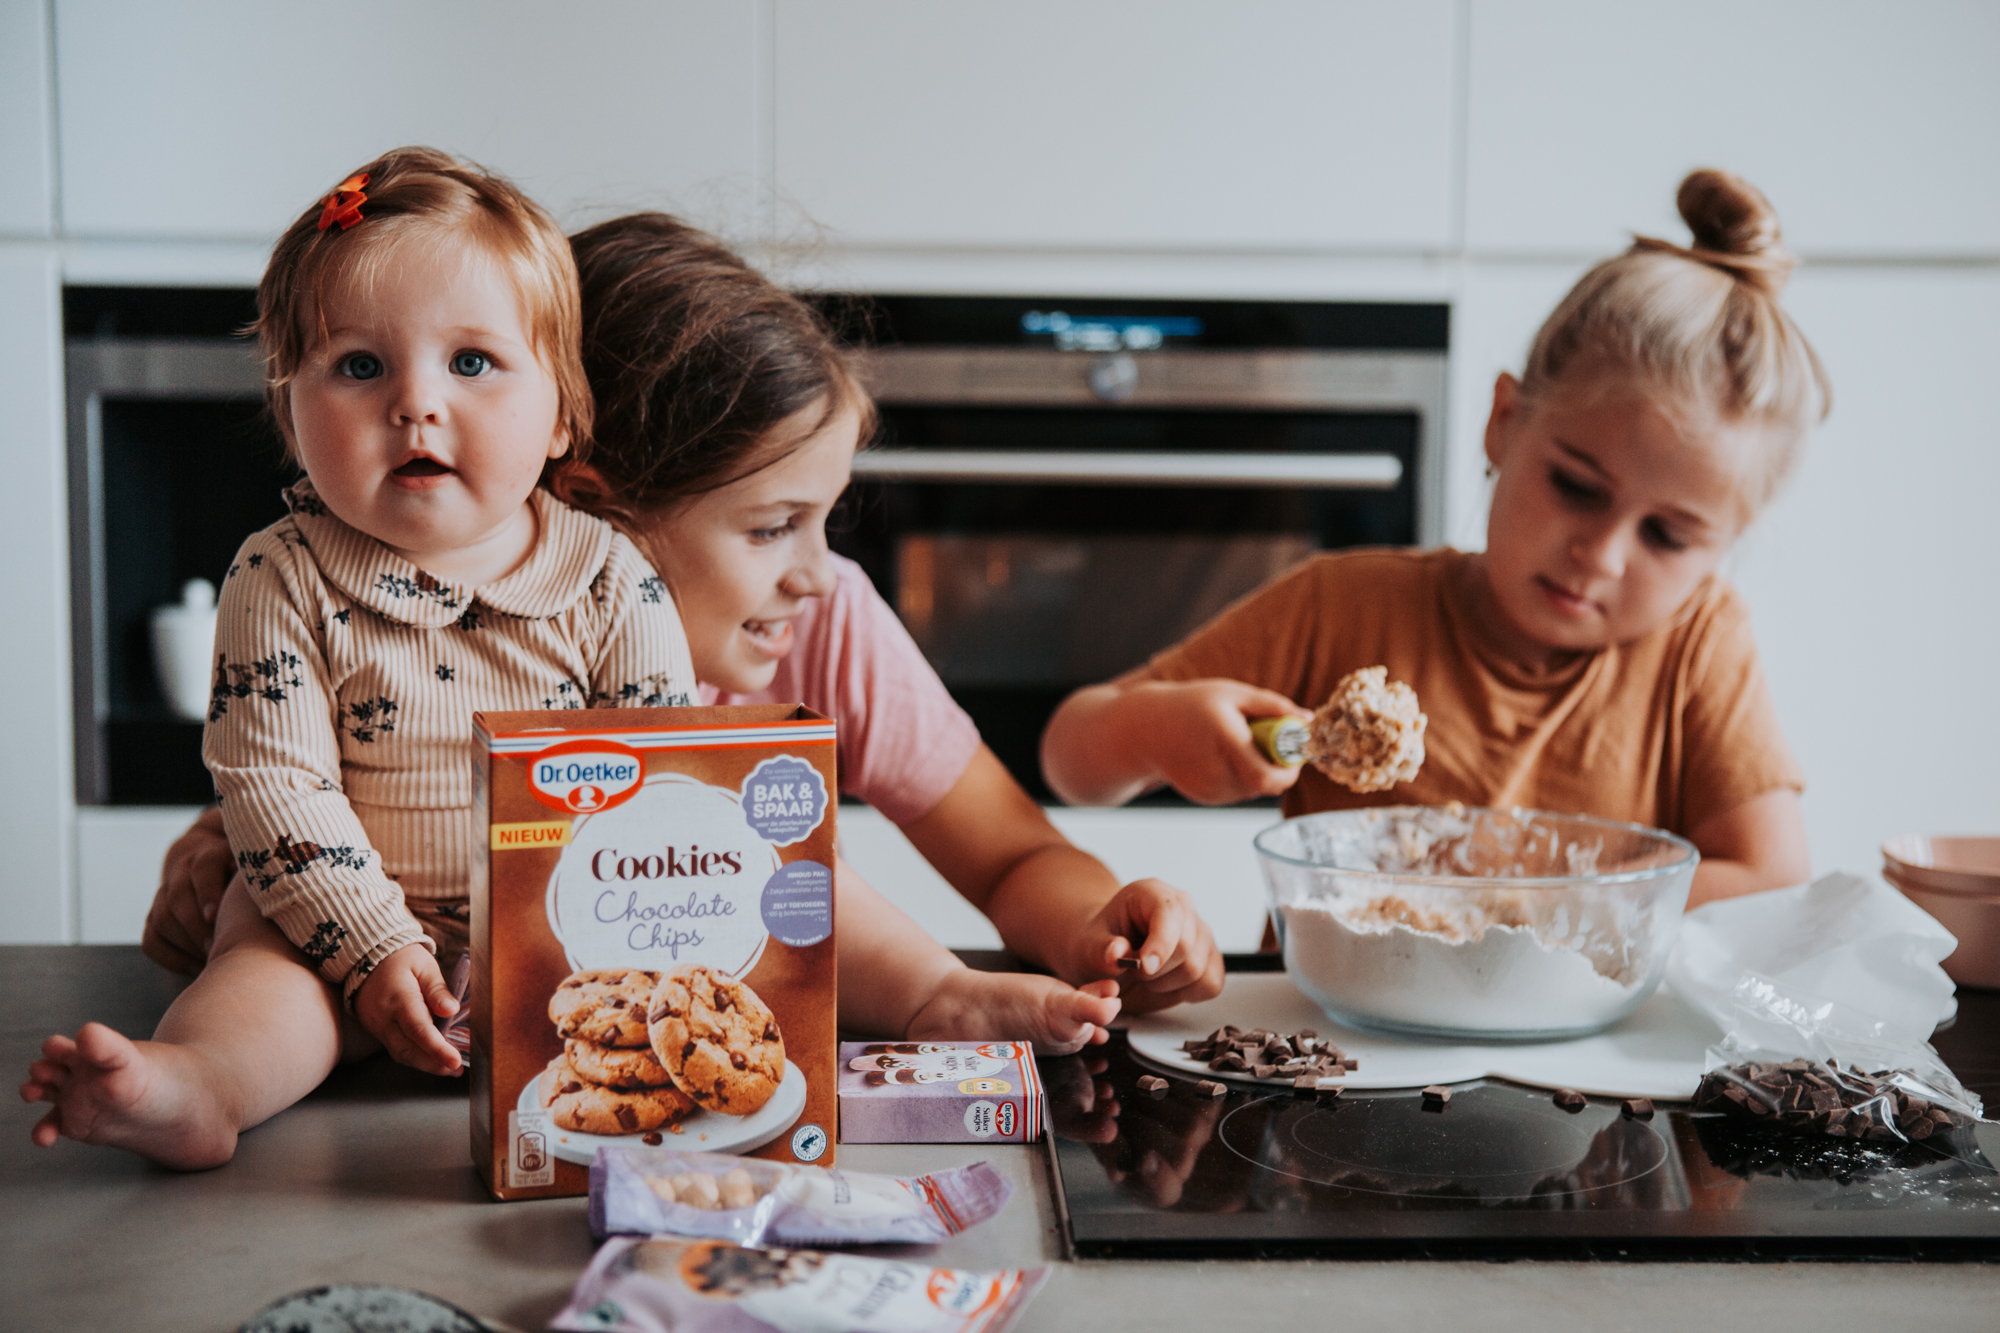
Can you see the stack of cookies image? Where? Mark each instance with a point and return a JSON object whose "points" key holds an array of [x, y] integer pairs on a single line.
{"points": [[642, 1051], [608, 1080]]}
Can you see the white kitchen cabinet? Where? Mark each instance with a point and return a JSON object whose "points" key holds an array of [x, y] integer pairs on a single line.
{"points": [[35, 782], [1874, 580], [1871, 127], [118, 856], [224, 119], [1139, 123], [27, 201]]}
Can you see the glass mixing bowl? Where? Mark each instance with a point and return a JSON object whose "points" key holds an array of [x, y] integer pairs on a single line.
{"points": [[1447, 921]]}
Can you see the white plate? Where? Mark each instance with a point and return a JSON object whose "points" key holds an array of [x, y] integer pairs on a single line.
{"points": [[703, 1131], [1657, 1052]]}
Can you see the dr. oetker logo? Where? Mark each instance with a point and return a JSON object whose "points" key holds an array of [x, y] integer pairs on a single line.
{"points": [[584, 777]]}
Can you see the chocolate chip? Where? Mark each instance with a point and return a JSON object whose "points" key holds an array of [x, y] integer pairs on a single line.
{"points": [[721, 1000], [770, 1032], [1570, 1100], [567, 1088], [659, 1014], [652, 1138], [687, 1051], [1636, 1108], [626, 1117], [736, 1059], [618, 1002]]}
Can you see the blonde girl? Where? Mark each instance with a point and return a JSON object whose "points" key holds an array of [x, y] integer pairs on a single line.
{"points": [[1591, 659]]}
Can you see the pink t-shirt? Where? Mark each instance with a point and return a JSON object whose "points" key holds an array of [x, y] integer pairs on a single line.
{"points": [[903, 742]]}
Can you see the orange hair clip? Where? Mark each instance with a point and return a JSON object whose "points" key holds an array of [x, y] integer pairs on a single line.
{"points": [[344, 204]]}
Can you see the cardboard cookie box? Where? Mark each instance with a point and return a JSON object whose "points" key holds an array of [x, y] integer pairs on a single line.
{"points": [[940, 1092], [652, 938]]}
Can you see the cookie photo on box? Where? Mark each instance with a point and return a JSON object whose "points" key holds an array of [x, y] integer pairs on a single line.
{"points": [[691, 1048]]}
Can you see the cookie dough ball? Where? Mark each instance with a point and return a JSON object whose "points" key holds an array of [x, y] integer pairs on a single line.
{"points": [[1370, 735], [718, 1041]]}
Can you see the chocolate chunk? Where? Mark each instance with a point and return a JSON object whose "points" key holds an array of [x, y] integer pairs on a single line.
{"points": [[626, 1117], [1154, 1084], [1349, 1062], [1438, 1093], [1210, 1089], [652, 1138], [1328, 1095], [1920, 1127], [1305, 1083], [1636, 1108], [1264, 1071], [1734, 1092], [1305, 1032], [1570, 1100], [738, 1060], [1128, 962]]}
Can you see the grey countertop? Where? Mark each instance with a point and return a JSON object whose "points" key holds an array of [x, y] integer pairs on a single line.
{"points": [[370, 1180]]}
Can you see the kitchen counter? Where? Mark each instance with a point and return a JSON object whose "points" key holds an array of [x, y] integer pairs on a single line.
{"points": [[370, 1180]]}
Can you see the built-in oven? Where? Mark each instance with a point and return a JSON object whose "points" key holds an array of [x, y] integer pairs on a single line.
{"points": [[1062, 487], [172, 463]]}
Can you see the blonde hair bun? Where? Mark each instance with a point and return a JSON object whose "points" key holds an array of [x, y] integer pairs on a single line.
{"points": [[1735, 229]]}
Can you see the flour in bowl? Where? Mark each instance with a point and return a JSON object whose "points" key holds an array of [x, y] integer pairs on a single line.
{"points": [[1458, 969]]}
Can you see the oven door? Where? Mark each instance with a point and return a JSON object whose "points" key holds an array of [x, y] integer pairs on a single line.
{"points": [[1044, 519]]}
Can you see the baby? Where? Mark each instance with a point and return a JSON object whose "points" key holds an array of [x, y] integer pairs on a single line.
{"points": [[420, 331]]}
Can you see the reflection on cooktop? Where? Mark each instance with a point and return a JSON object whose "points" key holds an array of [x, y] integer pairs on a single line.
{"points": [[1494, 1144], [1502, 1171]]}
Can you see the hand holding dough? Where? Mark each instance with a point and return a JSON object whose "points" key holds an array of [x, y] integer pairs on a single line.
{"points": [[1370, 735]]}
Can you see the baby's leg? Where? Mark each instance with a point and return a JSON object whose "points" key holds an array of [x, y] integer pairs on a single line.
{"points": [[256, 1031], [1017, 1006]]}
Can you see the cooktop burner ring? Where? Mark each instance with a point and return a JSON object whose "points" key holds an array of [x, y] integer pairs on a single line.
{"points": [[1496, 1142]]}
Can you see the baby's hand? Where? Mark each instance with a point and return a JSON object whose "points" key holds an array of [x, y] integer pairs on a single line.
{"points": [[395, 1004], [1199, 734], [1178, 962]]}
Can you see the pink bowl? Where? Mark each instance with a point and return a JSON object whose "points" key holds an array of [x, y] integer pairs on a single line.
{"points": [[1956, 880]]}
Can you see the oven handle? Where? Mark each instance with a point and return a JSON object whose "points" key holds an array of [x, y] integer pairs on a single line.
{"points": [[1364, 472]]}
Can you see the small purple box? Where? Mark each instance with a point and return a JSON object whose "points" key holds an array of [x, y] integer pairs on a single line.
{"points": [[940, 1092]]}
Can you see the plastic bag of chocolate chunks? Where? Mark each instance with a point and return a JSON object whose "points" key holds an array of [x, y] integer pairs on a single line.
{"points": [[645, 1191], [1767, 969], [651, 1286]]}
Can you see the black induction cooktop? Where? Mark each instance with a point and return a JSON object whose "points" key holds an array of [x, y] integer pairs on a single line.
{"points": [[1503, 1172]]}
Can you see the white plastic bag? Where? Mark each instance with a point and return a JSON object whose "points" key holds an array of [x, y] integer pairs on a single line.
{"points": [[1842, 972]]}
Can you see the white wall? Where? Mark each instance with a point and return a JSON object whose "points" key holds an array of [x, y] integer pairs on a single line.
{"points": [[1480, 152]]}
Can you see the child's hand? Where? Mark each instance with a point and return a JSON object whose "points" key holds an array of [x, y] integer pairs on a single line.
{"points": [[1198, 733], [1178, 960], [395, 1004]]}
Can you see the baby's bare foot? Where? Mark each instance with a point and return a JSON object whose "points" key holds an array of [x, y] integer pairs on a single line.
{"points": [[1012, 1006], [159, 1100]]}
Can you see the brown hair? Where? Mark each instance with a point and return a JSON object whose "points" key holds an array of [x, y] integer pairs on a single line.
{"points": [[695, 358], [423, 194], [1702, 323]]}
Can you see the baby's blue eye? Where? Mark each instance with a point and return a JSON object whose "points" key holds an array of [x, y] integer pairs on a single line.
{"points": [[470, 364], [362, 366]]}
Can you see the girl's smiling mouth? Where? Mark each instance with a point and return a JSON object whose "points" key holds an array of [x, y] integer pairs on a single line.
{"points": [[1564, 600], [771, 637]]}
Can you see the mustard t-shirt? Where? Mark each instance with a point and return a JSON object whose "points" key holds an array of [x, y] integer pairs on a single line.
{"points": [[1665, 730]]}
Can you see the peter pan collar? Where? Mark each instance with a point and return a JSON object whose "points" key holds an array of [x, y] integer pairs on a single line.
{"points": [[570, 550]]}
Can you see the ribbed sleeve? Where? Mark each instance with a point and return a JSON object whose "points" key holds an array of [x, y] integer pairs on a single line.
{"points": [[271, 746]]}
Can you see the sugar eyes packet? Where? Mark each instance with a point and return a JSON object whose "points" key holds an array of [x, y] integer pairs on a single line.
{"points": [[751, 1201], [712, 1286]]}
